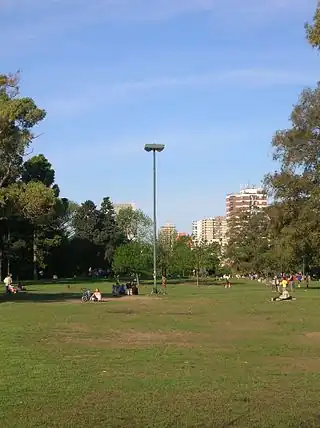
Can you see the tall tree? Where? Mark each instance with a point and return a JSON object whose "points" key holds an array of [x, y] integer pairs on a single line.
{"points": [[110, 235], [133, 258], [34, 201], [38, 168], [295, 187], [313, 30], [135, 225], [205, 258], [18, 117], [182, 258]]}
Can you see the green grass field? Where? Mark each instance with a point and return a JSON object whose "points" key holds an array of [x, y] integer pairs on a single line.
{"points": [[200, 357]]}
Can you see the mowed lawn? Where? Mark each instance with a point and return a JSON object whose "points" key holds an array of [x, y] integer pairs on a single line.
{"points": [[200, 357]]}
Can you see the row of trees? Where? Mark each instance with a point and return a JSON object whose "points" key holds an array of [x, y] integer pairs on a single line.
{"points": [[40, 231], [286, 235], [177, 256]]}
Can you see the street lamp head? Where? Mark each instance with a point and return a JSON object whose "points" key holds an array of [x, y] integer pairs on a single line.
{"points": [[154, 147]]}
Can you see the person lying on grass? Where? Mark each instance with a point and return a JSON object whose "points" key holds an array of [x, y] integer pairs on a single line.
{"points": [[96, 296]]}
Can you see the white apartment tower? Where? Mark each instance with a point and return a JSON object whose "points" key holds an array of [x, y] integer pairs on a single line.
{"points": [[213, 229]]}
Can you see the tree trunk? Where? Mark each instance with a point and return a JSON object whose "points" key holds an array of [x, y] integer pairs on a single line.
{"points": [[1, 258], [35, 258], [137, 279], [8, 251], [197, 273]]}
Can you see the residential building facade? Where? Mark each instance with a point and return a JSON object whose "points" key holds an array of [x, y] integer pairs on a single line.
{"points": [[213, 229], [248, 199]]}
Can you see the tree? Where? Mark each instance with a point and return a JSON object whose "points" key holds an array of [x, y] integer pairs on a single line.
{"points": [[34, 201], [86, 228], [295, 187], [205, 258], [287, 234], [38, 168], [110, 235], [182, 256], [250, 242], [47, 232], [134, 257], [165, 251], [313, 30], [97, 231], [18, 116], [135, 225]]}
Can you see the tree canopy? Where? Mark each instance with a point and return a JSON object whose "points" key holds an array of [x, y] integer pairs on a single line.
{"points": [[286, 235]]}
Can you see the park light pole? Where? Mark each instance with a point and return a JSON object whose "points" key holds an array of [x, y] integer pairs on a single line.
{"points": [[154, 148]]}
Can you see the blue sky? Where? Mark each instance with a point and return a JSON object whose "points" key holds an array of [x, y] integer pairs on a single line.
{"points": [[210, 79]]}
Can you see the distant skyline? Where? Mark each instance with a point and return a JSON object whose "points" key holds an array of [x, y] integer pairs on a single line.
{"points": [[211, 79]]}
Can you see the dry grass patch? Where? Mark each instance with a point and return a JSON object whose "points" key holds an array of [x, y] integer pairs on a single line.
{"points": [[313, 335], [286, 364], [72, 326], [133, 339]]}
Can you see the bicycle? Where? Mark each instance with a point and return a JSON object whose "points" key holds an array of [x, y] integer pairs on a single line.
{"points": [[159, 292], [86, 295]]}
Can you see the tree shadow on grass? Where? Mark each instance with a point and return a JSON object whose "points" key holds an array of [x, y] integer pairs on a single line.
{"points": [[34, 297]]}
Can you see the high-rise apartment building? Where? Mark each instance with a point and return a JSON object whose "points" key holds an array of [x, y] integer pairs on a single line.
{"points": [[221, 230], [248, 199], [203, 230], [118, 207], [213, 229]]}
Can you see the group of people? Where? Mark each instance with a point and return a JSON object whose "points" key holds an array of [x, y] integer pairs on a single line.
{"points": [[10, 287], [129, 289], [291, 281]]}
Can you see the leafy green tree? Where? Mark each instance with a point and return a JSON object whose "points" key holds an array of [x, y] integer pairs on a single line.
{"points": [[135, 225], [205, 258], [165, 252], [182, 257], [295, 187], [86, 228], [133, 258], [18, 117], [110, 235], [38, 168], [34, 201], [313, 30]]}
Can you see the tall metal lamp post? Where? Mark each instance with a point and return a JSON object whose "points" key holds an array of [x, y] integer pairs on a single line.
{"points": [[154, 148]]}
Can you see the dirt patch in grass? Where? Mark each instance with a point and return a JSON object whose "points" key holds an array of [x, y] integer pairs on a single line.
{"points": [[313, 335], [310, 339], [72, 326], [111, 299], [284, 364]]}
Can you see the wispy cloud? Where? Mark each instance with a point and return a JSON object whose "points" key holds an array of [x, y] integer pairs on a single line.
{"points": [[121, 92], [23, 21]]}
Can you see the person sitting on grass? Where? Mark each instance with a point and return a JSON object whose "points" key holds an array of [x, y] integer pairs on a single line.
{"points": [[283, 296], [96, 296], [20, 287]]}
